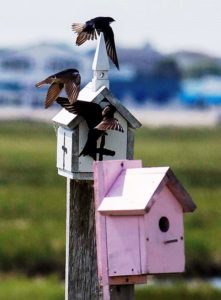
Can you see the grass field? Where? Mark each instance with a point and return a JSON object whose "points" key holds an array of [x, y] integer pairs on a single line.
{"points": [[32, 200], [51, 288], [38, 288], [32, 204]]}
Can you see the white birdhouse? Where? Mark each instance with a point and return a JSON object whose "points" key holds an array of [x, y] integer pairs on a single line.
{"points": [[72, 130], [139, 221]]}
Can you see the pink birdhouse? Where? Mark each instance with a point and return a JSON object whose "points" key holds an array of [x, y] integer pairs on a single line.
{"points": [[139, 221]]}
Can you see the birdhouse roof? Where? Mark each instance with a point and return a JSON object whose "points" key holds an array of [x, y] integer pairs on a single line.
{"points": [[135, 190], [101, 61], [69, 120]]}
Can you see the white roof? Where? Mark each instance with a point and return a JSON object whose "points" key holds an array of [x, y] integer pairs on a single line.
{"points": [[101, 62], [69, 120]]}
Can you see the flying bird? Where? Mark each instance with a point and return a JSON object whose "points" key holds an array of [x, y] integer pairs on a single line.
{"points": [[69, 79], [89, 31], [98, 121]]}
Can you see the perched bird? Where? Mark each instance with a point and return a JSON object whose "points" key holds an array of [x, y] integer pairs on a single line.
{"points": [[69, 79], [98, 121], [91, 28]]}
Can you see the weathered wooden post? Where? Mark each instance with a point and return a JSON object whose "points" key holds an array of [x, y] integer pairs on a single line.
{"points": [[82, 282], [81, 266]]}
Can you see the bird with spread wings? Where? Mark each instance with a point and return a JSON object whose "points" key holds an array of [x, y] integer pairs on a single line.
{"points": [[90, 29], [69, 79]]}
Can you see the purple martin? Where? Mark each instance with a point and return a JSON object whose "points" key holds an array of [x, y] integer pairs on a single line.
{"points": [[98, 121], [89, 31], [69, 79]]}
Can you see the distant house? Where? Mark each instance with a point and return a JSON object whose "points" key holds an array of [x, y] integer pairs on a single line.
{"points": [[145, 74], [20, 70]]}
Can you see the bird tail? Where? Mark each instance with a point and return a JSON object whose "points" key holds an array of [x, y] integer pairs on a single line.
{"points": [[78, 27], [41, 83]]}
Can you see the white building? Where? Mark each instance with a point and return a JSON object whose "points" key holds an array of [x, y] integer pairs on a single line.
{"points": [[20, 70]]}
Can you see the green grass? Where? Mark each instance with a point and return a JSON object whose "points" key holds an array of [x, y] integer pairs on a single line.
{"points": [[32, 200], [22, 288], [180, 290], [32, 195], [51, 288]]}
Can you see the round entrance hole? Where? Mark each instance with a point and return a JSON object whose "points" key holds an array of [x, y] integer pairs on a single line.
{"points": [[164, 224]]}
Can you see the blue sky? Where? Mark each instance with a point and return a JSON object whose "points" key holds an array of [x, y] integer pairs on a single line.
{"points": [[169, 25]]}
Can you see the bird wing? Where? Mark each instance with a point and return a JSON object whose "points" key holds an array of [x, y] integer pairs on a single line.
{"points": [[85, 32], [72, 88], [78, 27], [48, 80], [53, 92], [66, 104], [110, 124], [110, 45], [40, 84], [91, 112]]}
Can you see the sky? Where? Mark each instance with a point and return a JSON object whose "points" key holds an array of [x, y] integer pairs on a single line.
{"points": [[168, 25]]}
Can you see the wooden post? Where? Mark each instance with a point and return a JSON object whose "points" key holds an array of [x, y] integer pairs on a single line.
{"points": [[122, 292], [81, 263]]}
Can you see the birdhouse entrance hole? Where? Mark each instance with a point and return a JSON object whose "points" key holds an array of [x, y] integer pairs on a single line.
{"points": [[164, 224]]}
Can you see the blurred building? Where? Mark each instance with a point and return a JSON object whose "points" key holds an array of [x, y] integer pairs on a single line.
{"points": [[202, 92], [145, 74], [20, 70]]}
